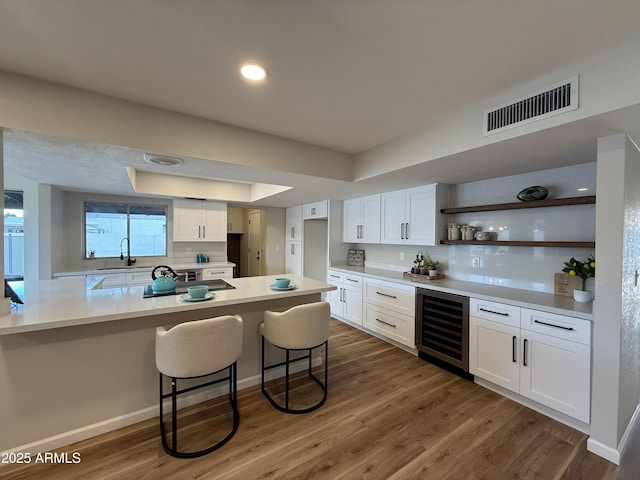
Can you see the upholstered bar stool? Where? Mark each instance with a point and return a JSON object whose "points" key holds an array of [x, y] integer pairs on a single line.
{"points": [[198, 349], [304, 327]]}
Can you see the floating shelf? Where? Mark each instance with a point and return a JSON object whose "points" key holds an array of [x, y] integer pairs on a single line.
{"points": [[554, 202], [518, 243]]}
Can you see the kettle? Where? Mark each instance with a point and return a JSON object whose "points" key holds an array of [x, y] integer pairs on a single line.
{"points": [[165, 283]]}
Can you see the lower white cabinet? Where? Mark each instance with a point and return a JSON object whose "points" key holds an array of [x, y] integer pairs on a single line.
{"points": [[218, 272], [346, 300], [293, 258], [389, 309], [542, 356]]}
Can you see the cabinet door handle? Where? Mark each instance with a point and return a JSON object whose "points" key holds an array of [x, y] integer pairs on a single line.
{"points": [[524, 354], [360, 231], [513, 349], [552, 325], [406, 231], [342, 294], [386, 295], [386, 323], [402, 231], [495, 313], [204, 234], [313, 211], [199, 228], [293, 234], [292, 249]]}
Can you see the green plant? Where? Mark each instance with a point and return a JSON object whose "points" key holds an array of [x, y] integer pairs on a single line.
{"points": [[584, 270], [431, 264]]}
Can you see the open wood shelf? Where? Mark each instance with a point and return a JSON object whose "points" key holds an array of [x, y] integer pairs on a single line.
{"points": [[518, 243], [554, 202]]}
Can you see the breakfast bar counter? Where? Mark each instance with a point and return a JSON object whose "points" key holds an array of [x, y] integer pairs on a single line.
{"points": [[76, 362]]}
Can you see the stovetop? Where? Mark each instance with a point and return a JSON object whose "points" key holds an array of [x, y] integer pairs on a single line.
{"points": [[181, 287]]}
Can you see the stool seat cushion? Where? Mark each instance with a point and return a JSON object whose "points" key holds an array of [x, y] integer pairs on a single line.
{"points": [[300, 327], [199, 347]]}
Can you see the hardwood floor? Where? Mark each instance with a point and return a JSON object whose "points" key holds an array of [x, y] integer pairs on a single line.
{"points": [[389, 415]]}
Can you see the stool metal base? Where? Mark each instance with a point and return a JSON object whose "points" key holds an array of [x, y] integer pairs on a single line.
{"points": [[233, 400], [286, 364]]}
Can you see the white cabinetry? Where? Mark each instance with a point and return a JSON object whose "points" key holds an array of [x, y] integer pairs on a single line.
{"points": [[389, 309], [235, 220], [218, 272], [543, 356], [362, 220], [139, 277], [293, 224], [411, 216], [197, 221], [316, 210], [346, 301], [293, 258]]}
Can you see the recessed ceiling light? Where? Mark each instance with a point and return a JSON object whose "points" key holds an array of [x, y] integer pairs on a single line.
{"points": [[253, 72]]}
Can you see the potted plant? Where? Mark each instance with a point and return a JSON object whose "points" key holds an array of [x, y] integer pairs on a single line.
{"points": [[584, 270], [432, 266]]}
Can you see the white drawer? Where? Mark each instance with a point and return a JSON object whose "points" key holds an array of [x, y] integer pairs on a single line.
{"points": [[560, 326], [213, 273], [139, 278], [334, 276], [352, 282], [399, 298], [391, 324], [494, 311]]}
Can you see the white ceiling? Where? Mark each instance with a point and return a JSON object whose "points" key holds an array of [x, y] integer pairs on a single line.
{"points": [[343, 74]]}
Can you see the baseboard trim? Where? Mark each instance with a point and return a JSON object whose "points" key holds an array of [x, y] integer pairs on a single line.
{"points": [[614, 455], [120, 421]]}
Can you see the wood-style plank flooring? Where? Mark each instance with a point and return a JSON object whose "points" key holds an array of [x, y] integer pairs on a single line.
{"points": [[389, 415]]}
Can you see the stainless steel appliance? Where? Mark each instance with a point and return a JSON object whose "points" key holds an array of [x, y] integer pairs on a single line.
{"points": [[442, 329], [190, 275]]}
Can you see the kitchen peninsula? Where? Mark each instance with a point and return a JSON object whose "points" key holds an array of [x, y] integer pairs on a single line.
{"points": [[77, 362]]}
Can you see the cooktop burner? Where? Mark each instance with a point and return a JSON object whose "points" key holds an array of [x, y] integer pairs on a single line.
{"points": [[181, 287]]}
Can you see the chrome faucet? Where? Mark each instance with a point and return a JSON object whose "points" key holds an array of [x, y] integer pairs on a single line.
{"points": [[130, 261]]}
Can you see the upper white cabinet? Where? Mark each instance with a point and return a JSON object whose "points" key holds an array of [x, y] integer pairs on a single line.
{"points": [[362, 220], [315, 210], [293, 223], [235, 220], [412, 216], [198, 221]]}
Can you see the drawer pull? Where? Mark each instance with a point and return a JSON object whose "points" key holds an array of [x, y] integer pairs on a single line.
{"points": [[552, 325], [386, 295], [352, 280], [496, 313], [386, 323], [334, 276]]}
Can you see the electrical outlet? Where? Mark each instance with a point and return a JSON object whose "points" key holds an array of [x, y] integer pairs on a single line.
{"points": [[475, 262], [401, 255]]}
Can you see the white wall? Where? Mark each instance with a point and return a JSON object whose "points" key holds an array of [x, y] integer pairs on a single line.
{"points": [[616, 326]]}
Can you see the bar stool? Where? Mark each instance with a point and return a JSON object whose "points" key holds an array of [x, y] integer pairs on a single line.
{"points": [[304, 327], [198, 349]]}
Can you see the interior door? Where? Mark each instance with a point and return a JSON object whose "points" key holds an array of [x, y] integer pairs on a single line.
{"points": [[255, 244]]}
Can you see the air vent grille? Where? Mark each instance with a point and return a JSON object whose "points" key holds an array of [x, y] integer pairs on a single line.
{"points": [[558, 98], [162, 160]]}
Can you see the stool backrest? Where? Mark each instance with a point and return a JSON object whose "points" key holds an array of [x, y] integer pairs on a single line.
{"points": [[303, 326], [196, 348]]}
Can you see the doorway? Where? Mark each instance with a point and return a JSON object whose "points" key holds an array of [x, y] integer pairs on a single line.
{"points": [[13, 235], [254, 253]]}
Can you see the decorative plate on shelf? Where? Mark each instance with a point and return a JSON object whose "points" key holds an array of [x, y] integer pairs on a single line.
{"points": [[533, 193]]}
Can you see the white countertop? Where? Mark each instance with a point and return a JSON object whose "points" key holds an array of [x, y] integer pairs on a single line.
{"points": [[68, 302], [136, 268], [547, 302]]}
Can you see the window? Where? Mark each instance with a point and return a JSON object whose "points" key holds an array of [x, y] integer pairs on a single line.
{"points": [[112, 228], [13, 235]]}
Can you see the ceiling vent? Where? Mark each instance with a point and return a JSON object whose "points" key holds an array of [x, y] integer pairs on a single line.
{"points": [[554, 100], [162, 160]]}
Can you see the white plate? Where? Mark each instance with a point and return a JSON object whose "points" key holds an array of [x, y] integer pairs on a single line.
{"points": [[283, 289], [187, 298]]}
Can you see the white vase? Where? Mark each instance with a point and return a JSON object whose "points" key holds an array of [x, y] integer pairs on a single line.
{"points": [[433, 273], [582, 296], [590, 284]]}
